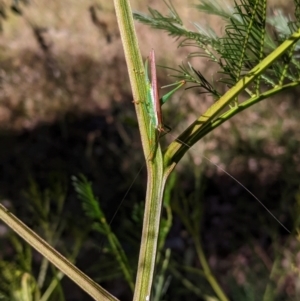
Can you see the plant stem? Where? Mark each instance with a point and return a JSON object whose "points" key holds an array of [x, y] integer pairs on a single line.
{"points": [[156, 178], [208, 273]]}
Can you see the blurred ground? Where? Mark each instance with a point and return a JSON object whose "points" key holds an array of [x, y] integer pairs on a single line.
{"points": [[65, 109]]}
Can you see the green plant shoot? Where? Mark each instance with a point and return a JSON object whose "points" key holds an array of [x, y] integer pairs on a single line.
{"points": [[154, 103]]}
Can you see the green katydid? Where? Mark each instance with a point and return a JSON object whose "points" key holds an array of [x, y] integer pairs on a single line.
{"points": [[153, 102]]}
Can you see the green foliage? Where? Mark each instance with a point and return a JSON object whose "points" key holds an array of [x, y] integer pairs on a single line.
{"points": [[246, 42], [89, 203], [17, 282], [93, 210], [21, 277]]}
